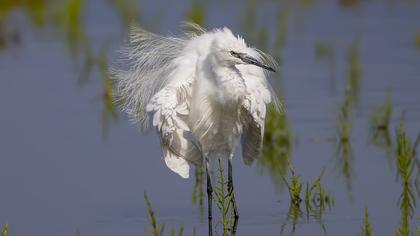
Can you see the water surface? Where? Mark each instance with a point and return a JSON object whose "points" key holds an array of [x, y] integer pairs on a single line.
{"points": [[69, 159]]}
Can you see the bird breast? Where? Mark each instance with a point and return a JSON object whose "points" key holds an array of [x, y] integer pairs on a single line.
{"points": [[215, 112], [229, 90]]}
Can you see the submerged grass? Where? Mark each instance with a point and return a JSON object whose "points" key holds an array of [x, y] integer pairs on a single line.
{"points": [[100, 61], [223, 199], [381, 116], [198, 191], [316, 199], [158, 229], [407, 166], [344, 121], [344, 153], [366, 228], [197, 13], [277, 146], [379, 126], [5, 229], [354, 71], [294, 186]]}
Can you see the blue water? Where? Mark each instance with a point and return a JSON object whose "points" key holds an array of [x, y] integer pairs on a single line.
{"points": [[60, 169]]}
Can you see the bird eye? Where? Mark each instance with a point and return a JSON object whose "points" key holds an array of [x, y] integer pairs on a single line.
{"points": [[235, 54]]}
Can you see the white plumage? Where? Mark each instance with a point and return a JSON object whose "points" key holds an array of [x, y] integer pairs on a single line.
{"points": [[202, 92]]}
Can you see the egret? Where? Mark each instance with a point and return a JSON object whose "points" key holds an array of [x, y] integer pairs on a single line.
{"points": [[203, 91]]}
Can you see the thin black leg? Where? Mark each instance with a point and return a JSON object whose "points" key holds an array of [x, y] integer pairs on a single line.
{"points": [[232, 194], [209, 197]]}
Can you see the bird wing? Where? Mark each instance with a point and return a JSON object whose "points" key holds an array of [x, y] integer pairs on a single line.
{"points": [[156, 80], [146, 64], [170, 109], [253, 112]]}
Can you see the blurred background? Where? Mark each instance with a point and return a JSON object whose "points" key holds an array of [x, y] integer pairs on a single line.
{"points": [[71, 163]]}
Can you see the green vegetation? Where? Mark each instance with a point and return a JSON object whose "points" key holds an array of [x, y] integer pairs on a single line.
{"points": [[316, 200], [379, 123], [157, 230], [280, 38], [223, 199], [417, 40], [196, 14], [354, 72], [344, 153], [344, 122], [407, 164], [109, 112], [68, 18], [5, 229], [382, 115], [65, 18], [198, 191], [294, 186], [316, 196], [100, 62], [417, 226], [366, 228], [277, 145]]}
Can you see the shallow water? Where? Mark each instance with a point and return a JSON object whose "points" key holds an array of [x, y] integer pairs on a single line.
{"points": [[67, 162]]}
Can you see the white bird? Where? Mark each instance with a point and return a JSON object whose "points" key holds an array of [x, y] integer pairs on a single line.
{"points": [[203, 92]]}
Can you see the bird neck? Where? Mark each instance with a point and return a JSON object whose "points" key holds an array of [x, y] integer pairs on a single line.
{"points": [[230, 86], [223, 69]]}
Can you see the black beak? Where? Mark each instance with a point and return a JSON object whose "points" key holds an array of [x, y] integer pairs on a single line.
{"points": [[250, 60]]}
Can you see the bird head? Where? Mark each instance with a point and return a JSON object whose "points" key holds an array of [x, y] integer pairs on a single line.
{"points": [[230, 51]]}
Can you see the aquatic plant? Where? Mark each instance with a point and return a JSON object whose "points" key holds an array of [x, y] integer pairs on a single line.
{"points": [[198, 190], [379, 127], [354, 71], [100, 61], [157, 230], [316, 199], [5, 229], [68, 18], [344, 153], [172, 232], [344, 121], [294, 186], [277, 146], [196, 14], [109, 112], [407, 164], [366, 228], [281, 34], [417, 226], [381, 115], [417, 40], [224, 202]]}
